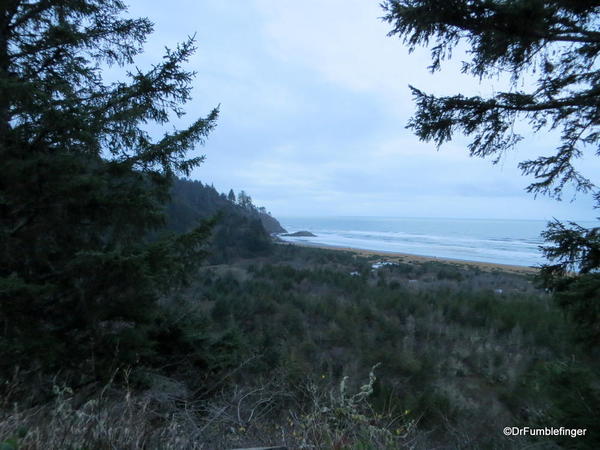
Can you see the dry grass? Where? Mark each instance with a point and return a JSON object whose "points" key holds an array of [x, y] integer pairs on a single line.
{"points": [[161, 418]]}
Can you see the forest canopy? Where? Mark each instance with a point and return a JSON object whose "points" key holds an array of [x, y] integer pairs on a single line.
{"points": [[83, 184]]}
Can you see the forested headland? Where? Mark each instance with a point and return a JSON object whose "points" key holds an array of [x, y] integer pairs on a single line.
{"points": [[240, 228]]}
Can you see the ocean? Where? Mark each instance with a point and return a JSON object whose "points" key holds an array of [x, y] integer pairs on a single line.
{"points": [[514, 242]]}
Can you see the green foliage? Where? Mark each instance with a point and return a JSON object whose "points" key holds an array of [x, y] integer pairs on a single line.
{"points": [[83, 184], [574, 393], [555, 41], [574, 249], [574, 253], [239, 347], [552, 46], [238, 231], [581, 299], [231, 196], [448, 348]]}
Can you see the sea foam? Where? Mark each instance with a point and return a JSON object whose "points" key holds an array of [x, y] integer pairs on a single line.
{"points": [[512, 242]]}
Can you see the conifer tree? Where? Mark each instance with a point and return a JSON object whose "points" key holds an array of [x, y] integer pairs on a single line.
{"points": [[83, 183], [555, 44], [231, 196], [244, 200]]}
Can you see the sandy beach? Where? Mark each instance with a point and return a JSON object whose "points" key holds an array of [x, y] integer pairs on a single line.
{"points": [[408, 258]]}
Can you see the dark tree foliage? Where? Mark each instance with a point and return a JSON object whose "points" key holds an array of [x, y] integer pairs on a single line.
{"points": [[555, 45], [82, 183], [575, 278], [558, 39], [231, 196], [239, 232]]}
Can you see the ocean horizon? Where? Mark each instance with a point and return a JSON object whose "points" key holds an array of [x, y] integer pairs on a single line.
{"points": [[501, 241]]}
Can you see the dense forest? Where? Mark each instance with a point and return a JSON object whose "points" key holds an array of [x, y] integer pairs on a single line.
{"points": [[240, 228]]}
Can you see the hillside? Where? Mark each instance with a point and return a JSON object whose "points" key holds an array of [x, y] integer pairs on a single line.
{"points": [[314, 348], [242, 229]]}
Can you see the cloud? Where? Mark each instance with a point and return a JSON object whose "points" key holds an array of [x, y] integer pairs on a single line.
{"points": [[314, 100], [346, 42]]}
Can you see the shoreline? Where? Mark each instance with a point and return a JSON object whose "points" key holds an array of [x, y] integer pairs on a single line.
{"points": [[418, 259]]}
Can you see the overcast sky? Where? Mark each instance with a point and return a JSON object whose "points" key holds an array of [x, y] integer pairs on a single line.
{"points": [[314, 101]]}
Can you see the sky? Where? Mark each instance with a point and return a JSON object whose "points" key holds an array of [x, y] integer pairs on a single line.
{"points": [[314, 100]]}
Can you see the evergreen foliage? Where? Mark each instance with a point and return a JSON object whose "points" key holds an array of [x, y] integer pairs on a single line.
{"points": [[240, 231], [459, 361], [557, 39], [231, 196], [83, 184], [555, 43], [458, 358]]}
